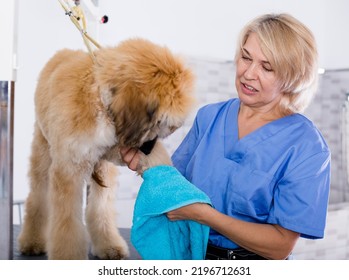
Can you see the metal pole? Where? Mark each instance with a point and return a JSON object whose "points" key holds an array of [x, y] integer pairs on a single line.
{"points": [[8, 35], [6, 168]]}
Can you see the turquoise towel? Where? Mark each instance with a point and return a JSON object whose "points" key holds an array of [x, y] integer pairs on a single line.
{"points": [[153, 235]]}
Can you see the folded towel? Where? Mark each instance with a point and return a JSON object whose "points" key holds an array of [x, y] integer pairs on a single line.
{"points": [[153, 235]]}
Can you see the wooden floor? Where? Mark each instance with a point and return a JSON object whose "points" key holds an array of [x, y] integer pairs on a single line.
{"points": [[18, 256]]}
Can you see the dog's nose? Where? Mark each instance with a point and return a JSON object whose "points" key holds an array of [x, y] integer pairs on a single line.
{"points": [[147, 147]]}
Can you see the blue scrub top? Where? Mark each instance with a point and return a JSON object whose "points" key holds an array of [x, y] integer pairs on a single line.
{"points": [[278, 174]]}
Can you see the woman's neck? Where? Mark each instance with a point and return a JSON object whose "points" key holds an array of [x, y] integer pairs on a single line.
{"points": [[252, 118]]}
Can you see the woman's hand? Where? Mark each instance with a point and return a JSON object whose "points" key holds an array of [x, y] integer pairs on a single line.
{"points": [[194, 212], [139, 162], [131, 157]]}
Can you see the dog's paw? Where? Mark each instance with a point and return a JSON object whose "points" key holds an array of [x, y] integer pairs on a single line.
{"points": [[31, 247], [117, 251], [158, 156], [113, 253]]}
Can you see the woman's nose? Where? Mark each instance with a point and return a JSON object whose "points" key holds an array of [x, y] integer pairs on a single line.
{"points": [[251, 72]]}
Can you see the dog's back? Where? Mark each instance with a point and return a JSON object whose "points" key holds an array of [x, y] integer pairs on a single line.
{"points": [[66, 102]]}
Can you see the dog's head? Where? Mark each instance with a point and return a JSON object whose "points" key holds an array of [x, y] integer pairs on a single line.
{"points": [[149, 90]]}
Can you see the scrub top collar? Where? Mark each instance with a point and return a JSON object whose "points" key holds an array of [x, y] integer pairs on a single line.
{"points": [[235, 148]]}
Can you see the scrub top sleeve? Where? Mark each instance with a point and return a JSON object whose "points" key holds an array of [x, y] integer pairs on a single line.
{"points": [[301, 197]]}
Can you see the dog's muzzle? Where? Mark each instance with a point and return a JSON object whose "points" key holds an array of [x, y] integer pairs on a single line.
{"points": [[148, 146]]}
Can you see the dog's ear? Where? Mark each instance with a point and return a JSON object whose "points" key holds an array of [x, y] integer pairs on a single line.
{"points": [[151, 109], [134, 115]]}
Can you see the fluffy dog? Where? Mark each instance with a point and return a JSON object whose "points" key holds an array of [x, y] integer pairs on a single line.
{"points": [[85, 111]]}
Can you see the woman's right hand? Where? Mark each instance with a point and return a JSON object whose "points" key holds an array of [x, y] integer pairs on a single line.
{"points": [[139, 162], [131, 157]]}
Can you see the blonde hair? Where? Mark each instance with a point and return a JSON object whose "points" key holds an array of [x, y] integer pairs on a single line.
{"points": [[291, 49]]}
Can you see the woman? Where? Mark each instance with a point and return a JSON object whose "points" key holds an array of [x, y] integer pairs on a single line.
{"points": [[265, 167]]}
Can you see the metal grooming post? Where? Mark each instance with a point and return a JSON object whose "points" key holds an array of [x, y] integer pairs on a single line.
{"points": [[8, 16]]}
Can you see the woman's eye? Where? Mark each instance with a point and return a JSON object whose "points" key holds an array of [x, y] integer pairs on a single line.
{"points": [[268, 69], [246, 58]]}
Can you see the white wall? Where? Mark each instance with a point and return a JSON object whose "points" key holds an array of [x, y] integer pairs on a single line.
{"points": [[210, 27], [42, 30], [200, 28], [8, 41]]}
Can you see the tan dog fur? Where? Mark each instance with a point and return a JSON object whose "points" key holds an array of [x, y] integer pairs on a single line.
{"points": [[85, 111]]}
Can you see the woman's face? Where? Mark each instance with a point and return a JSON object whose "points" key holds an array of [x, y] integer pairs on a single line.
{"points": [[256, 82]]}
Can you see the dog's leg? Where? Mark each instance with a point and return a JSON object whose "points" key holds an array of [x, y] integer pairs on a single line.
{"points": [[158, 156], [107, 243], [67, 238], [32, 238]]}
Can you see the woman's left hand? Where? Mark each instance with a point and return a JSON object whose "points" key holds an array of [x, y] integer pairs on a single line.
{"points": [[194, 212]]}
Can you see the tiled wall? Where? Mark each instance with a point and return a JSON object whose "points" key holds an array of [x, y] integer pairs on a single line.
{"points": [[329, 111]]}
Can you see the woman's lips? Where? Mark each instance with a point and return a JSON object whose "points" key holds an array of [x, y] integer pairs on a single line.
{"points": [[247, 89]]}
